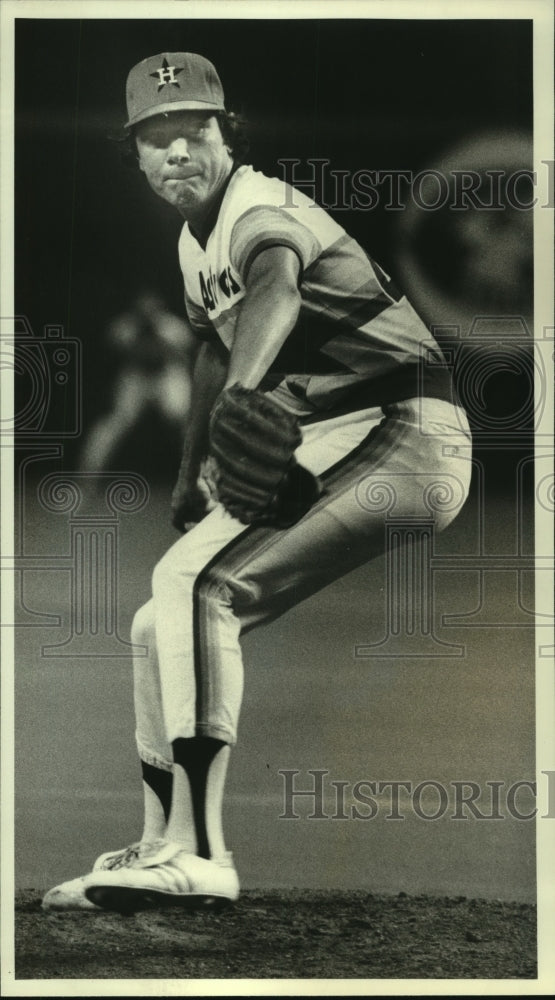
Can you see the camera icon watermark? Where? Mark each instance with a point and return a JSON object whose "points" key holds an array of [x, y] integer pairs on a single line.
{"points": [[47, 381], [501, 375]]}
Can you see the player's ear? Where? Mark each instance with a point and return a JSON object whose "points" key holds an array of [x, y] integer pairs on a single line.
{"points": [[138, 157], [136, 145]]}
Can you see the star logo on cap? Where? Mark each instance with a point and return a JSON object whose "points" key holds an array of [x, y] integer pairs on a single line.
{"points": [[167, 74]]}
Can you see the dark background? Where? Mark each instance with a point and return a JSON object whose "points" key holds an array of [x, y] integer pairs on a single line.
{"points": [[90, 237], [363, 94]]}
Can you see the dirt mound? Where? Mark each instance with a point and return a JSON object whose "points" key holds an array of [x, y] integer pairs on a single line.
{"points": [[284, 935]]}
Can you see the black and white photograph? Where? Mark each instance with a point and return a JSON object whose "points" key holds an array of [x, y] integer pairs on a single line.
{"points": [[277, 498]]}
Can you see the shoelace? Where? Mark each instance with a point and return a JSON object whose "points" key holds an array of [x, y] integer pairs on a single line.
{"points": [[127, 857], [123, 859]]}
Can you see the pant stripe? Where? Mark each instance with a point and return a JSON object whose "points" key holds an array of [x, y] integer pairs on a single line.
{"points": [[239, 552], [203, 587]]}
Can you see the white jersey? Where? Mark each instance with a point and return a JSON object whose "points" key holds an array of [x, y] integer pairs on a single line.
{"points": [[358, 342]]}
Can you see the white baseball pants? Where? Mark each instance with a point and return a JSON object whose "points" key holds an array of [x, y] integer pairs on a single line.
{"points": [[410, 461]]}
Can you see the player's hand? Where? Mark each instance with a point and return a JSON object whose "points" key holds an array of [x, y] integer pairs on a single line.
{"points": [[192, 501], [188, 508]]}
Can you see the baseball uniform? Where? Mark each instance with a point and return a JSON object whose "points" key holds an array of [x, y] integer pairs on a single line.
{"points": [[376, 405]]}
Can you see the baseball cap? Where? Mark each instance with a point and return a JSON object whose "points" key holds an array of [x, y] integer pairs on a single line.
{"points": [[172, 81]]}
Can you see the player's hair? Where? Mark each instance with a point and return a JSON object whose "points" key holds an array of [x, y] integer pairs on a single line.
{"points": [[234, 129]]}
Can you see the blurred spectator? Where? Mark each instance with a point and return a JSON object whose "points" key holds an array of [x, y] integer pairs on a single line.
{"points": [[153, 346]]}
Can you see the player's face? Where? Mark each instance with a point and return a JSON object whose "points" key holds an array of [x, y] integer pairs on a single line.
{"points": [[185, 160]]}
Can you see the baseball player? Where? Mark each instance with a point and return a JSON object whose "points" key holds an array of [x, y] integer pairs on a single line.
{"points": [[320, 406]]}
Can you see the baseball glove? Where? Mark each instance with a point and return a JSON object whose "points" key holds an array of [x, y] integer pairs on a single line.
{"points": [[252, 446]]}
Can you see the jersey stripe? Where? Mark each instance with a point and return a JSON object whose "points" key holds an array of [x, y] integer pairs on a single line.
{"points": [[262, 223], [265, 244], [352, 320]]}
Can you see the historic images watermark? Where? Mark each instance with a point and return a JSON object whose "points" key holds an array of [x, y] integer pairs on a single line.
{"points": [[430, 190], [322, 798]]}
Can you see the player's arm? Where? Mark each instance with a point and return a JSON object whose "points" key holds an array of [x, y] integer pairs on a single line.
{"points": [[252, 439], [189, 503], [268, 314]]}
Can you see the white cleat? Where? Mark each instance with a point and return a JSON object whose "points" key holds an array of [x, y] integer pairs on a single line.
{"points": [[168, 876], [68, 896], [71, 895]]}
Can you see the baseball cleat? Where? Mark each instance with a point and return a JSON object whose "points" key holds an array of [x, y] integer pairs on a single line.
{"points": [[70, 895], [168, 876]]}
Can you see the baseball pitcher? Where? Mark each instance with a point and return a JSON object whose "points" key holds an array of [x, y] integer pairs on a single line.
{"points": [[313, 383]]}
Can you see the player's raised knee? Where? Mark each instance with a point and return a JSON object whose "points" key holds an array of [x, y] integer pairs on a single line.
{"points": [[142, 628], [173, 571]]}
